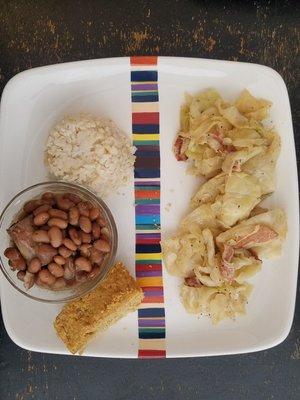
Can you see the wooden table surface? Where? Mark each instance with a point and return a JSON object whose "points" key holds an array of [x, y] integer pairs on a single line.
{"points": [[41, 32]]}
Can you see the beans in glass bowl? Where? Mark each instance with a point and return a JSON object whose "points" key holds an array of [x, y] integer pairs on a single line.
{"points": [[58, 241]]}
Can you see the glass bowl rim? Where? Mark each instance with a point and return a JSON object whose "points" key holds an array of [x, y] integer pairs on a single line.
{"points": [[109, 261]]}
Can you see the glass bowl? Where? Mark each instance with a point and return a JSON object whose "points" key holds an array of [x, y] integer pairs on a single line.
{"points": [[8, 216]]}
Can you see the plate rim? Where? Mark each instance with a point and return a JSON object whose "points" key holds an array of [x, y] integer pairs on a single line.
{"points": [[167, 60]]}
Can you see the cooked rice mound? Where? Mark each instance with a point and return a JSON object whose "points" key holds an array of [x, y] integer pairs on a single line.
{"points": [[90, 151]]}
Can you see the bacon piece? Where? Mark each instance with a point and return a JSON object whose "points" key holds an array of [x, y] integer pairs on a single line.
{"points": [[224, 148], [227, 271], [21, 234], [180, 147], [216, 135], [228, 253], [230, 148], [261, 234], [192, 281]]}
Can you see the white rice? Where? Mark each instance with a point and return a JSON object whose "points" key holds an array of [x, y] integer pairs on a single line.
{"points": [[90, 151]]}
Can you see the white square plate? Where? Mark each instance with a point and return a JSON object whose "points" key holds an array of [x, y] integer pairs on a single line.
{"points": [[34, 100]]}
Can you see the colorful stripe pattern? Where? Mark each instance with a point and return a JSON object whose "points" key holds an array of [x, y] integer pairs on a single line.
{"points": [[145, 131]]}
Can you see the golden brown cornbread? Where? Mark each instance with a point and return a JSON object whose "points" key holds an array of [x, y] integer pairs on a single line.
{"points": [[81, 319]]}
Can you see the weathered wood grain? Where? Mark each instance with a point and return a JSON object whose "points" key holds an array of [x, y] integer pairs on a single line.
{"points": [[36, 33]]}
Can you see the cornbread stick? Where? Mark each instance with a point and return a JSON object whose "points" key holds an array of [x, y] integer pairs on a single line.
{"points": [[81, 319]]}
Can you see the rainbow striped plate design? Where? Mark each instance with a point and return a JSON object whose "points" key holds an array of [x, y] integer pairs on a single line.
{"points": [[148, 265]]}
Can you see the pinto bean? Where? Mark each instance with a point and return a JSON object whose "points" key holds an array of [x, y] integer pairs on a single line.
{"points": [[84, 208], [74, 235], [69, 244], [19, 264], [34, 265], [59, 284], [55, 213], [85, 250], [74, 215], [60, 223], [64, 203], [50, 202], [96, 256], [64, 252], [73, 197], [40, 236], [47, 196], [96, 230], [83, 264], [46, 277], [41, 209], [102, 245], [41, 219], [59, 260], [94, 213], [102, 222], [12, 253], [105, 232], [85, 224], [31, 205], [56, 270], [85, 237], [56, 236]]}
